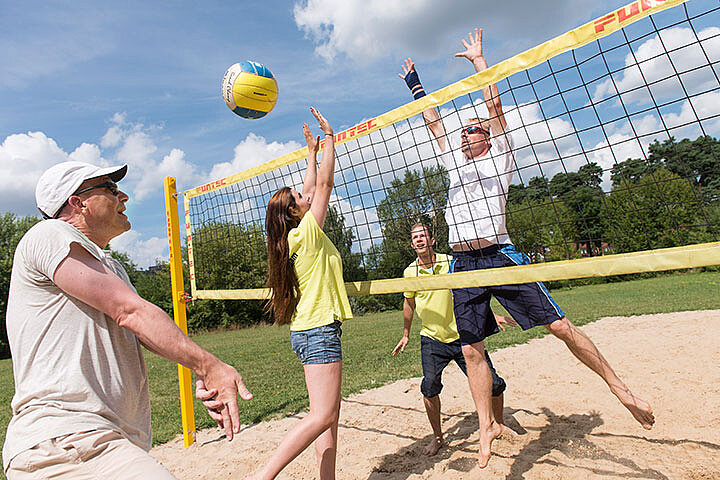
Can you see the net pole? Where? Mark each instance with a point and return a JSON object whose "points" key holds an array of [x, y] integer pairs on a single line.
{"points": [[178, 301]]}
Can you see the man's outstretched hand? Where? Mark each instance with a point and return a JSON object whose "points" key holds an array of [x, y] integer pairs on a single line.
{"points": [[473, 48], [219, 390], [408, 67]]}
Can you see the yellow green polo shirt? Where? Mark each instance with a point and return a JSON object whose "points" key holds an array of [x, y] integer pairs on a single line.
{"points": [[434, 307], [323, 298]]}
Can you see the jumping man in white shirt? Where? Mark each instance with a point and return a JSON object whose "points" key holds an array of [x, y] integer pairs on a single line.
{"points": [[480, 173]]}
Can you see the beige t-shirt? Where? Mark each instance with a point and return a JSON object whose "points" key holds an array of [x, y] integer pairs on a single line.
{"points": [[75, 369]]}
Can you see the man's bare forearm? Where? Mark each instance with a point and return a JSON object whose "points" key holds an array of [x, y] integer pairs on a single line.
{"points": [[159, 334]]}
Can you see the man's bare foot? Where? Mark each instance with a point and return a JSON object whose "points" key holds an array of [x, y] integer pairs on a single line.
{"points": [[487, 436], [433, 446], [638, 407]]}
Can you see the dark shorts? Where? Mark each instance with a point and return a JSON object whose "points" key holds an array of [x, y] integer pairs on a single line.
{"points": [[530, 304], [435, 357], [318, 345]]}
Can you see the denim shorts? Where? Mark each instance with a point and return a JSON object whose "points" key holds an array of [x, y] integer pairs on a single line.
{"points": [[318, 345]]}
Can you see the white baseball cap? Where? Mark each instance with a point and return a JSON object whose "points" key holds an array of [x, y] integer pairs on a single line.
{"points": [[60, 181]]}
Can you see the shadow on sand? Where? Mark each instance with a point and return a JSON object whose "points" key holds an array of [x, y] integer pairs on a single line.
{"points": [[571, 435]]}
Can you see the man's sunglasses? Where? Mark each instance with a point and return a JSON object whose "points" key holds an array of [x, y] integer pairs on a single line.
{"points": [[474, 129], [110, 185]]}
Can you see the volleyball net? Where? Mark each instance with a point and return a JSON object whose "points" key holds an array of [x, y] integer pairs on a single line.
{"points": [[615, 166]]}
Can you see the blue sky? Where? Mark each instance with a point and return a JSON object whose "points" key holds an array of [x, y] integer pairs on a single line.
{"points": [[139, 82]]}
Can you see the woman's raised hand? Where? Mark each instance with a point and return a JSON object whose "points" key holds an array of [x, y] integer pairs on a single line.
{"points": [[313, 143], [324, 125]]}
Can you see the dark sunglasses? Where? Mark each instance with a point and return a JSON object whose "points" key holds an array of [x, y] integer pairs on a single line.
{"points": [[110, 185], [474, 129]]}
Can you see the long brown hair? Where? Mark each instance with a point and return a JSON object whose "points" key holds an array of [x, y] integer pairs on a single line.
{"points": [[282, 279]]}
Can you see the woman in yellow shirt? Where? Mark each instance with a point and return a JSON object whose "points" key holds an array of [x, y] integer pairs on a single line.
{"points": [[308, 292]]}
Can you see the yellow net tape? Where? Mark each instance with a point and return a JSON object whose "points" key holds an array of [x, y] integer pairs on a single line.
{"points": [[675, 258]]}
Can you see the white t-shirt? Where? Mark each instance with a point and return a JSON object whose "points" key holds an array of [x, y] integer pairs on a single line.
{"points": [[75, 368], [478, 192]]}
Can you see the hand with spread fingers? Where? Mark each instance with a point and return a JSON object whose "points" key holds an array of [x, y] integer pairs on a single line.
{"points": [[473, 47]]}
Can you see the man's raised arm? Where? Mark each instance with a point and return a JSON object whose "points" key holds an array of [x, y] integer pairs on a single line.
{"points": [[431, 115], [491, 96]]}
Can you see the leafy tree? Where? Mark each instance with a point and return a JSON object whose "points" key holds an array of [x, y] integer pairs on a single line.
{"points": [[697, 159], [516, 193], [129, 266], [343, 239], [228, 256], [541, 230], [419, 197], [581, 192], [660, 210], [154, 285], [12, 229], [538, 189], [631, 171]]}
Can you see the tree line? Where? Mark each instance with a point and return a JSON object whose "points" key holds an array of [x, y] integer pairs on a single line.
{"points": [[670, 198]]}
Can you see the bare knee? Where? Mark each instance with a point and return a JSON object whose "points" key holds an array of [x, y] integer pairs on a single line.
{"points": [[475, 353], [324, 422], [561, 328], [324, 419]]}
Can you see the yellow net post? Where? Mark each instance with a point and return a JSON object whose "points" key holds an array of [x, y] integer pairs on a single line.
{"points": [[178, 300]]}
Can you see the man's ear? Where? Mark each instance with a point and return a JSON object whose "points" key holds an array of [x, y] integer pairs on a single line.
{"points": [[432, 241], [76, 202]]}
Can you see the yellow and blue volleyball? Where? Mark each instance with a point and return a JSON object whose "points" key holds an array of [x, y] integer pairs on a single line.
{"points": [[249, 89]]}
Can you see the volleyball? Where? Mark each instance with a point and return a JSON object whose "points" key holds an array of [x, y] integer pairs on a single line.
{"points": [[249, 89]]}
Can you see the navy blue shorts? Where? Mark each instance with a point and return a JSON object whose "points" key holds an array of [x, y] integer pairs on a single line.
{"points": [[530, 304], [435, 357], [318, 345]]}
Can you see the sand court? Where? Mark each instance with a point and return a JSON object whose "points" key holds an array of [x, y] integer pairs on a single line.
{"points": [[568, 424]]}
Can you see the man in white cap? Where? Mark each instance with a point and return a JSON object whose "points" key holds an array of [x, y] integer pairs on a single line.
{"points": [[75, 324]]}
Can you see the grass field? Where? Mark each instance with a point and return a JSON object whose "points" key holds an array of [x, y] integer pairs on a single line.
{"points": [[272, 372]]}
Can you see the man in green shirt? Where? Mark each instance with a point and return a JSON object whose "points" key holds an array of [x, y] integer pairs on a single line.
{"points": [[440, 342]]}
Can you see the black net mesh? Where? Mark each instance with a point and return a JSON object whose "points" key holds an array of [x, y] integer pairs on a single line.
{"points": [[613, 149]]}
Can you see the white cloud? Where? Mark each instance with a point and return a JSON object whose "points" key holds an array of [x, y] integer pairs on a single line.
{"points": [[23, 158], [649, 64], [252, 151], [365, 30], [112, 137], [173, 164], [143, 252], [136, 145], [705, 107], [88, 153]]}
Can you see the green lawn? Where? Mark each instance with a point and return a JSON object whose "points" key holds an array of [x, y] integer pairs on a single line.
{"points": [[273, 374]]}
